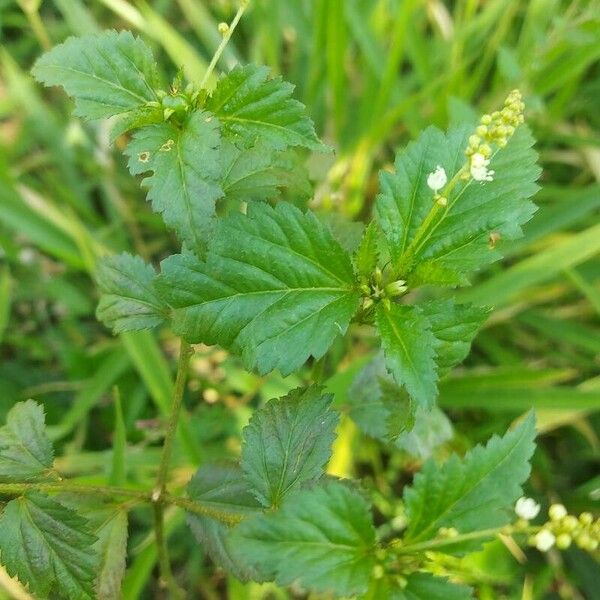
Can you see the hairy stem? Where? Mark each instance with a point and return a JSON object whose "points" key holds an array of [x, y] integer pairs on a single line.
{"points": [[113, 492], [158, 494]]}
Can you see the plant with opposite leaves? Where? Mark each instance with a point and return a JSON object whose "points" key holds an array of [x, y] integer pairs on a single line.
{"points": [[263, 277]]}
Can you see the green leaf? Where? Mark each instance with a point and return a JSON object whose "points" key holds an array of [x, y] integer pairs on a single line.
{"points": [[377, 413], [473, 493], [322, 538], [129, 300], [112, 73], [367, 254], [252, 106], [259, 173], [404, 198], [454, 327], [48, 547], [26, 452], [110, 527], [288, 442], [281, 293], [186, 170], [408, 346], [457, 240], [222, 487], [419, 586]]}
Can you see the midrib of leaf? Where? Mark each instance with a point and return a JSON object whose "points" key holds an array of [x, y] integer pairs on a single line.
{"points": [[297, 324], [27, 451], [140, 99], [302, 257], [187, 199], [412, 202], [148, 290], [284, 291], [406, 352], [486, 475], [446, 212], [285, 461], [50, 548], [262, 123]]}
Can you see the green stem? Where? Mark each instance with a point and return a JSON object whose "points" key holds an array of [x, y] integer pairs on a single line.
{"points": [[17, 489], [226, 37], [158, 494], [145, 496], [408, 254], [37, 25], [438, 543], [185, 354]]}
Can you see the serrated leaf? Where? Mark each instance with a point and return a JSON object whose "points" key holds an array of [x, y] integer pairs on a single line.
{"points": [[112, 73], [251, 106], [287, 443], [221, 486], [322, 538], [281, 293], [408, 347], [129, 299], [110, 527], [454, 327], [259, 173], [418, 586], [473, 493], [26, 453], [367, 254], [457, 240], [48, 547], [134, 119], [186, 169]]}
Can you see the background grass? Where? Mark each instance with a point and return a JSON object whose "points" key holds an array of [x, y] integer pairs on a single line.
{"points": [[373, 73]]}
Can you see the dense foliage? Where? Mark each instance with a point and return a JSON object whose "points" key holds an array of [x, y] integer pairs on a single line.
{"points": [[337, 315]]}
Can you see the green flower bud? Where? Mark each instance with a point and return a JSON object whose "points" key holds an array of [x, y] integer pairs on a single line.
{"points": [[396, 288]]}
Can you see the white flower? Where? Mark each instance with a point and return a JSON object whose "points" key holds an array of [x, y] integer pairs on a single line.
{"points": [[544, 540], [437, 179], [527, 508], [478, 167]]}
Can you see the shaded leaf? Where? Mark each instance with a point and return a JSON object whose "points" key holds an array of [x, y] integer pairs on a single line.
{"points": [[26, 453], [49, 547], [129, 300], [221, 486], [419, 586], [454, 327]]}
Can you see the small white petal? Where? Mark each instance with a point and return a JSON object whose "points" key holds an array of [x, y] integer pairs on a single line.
{"points": [[437, 179], [527, 508], [544, 540], [479, 160]]}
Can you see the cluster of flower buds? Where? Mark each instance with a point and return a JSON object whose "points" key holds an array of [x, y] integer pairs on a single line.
{"points": [[495, 129], [563, 529], [376, 290]]}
